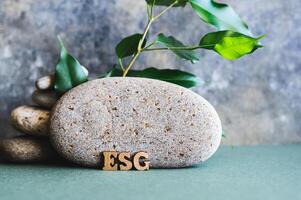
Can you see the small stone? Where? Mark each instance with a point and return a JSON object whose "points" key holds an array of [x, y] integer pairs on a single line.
{"points": [[31, 120], [27, 149], [48, 82], [44, 99], [175, 126], [45, 83]]}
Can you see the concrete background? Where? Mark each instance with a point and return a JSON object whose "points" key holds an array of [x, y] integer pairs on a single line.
{"points": [[258, 97]]}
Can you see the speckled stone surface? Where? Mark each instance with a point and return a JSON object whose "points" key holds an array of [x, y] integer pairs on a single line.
{"points": [[45, 99], [257, 97], [31, 120], [27, 149], [174, 125]]}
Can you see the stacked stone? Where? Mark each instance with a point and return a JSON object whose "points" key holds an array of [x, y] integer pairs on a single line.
{"points": [[33, 121]]}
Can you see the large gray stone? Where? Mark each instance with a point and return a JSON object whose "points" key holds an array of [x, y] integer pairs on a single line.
{"points": [[176, 126]]}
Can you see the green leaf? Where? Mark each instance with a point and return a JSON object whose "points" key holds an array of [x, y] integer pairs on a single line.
{"points": [[167, 2], [129, 45], [69, 72], [222, 16], [178, 77], [172, 42], [230, 45]]}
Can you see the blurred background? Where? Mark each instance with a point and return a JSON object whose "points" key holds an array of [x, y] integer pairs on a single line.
{"points": [[258, 97]]}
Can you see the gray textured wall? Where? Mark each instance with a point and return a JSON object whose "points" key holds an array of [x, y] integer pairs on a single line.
{"points": [[258, 97]]}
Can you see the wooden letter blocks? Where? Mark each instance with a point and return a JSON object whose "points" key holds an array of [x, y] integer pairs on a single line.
{"points": [[113, 160]]}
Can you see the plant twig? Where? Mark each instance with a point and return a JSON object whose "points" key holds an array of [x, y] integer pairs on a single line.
{"points": [[152, 9], [150, 45], [147, 27], [149, 11], [121, 64], [163, 11], [130, 64], [178, 48], [144, 34], [138, 49]]}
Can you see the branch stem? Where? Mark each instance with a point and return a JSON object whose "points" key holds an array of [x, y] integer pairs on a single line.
{"points": [[178, 48], [139, 49], [121, 64], [146, 29], [150, 45], [130, 64], [164, 11]]}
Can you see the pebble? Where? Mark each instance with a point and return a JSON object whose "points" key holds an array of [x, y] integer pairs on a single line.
{"points": [[27, 149], [44, 99], [45, 83], [174, 125], [31, 120]]}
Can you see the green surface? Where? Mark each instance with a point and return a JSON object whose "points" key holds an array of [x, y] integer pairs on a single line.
{"points": [[263, 172]]}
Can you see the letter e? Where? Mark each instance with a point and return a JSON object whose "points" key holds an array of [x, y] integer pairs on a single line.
{"points": [[109, 160]]}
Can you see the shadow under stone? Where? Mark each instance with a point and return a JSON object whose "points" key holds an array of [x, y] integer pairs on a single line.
{"points": [[57, 164]]}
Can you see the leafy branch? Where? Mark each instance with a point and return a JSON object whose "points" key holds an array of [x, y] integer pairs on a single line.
{"points": [[232, 40], [151, 19]]}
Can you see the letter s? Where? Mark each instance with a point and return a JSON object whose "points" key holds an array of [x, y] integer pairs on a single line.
{"points": [[125, 163]]}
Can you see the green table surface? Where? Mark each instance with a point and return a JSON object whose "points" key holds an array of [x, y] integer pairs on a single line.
{"points": [[258, 172]]}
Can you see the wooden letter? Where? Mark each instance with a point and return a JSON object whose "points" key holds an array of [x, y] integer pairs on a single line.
{"points": [[109, 160], [141, 158], [125, 162]]}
